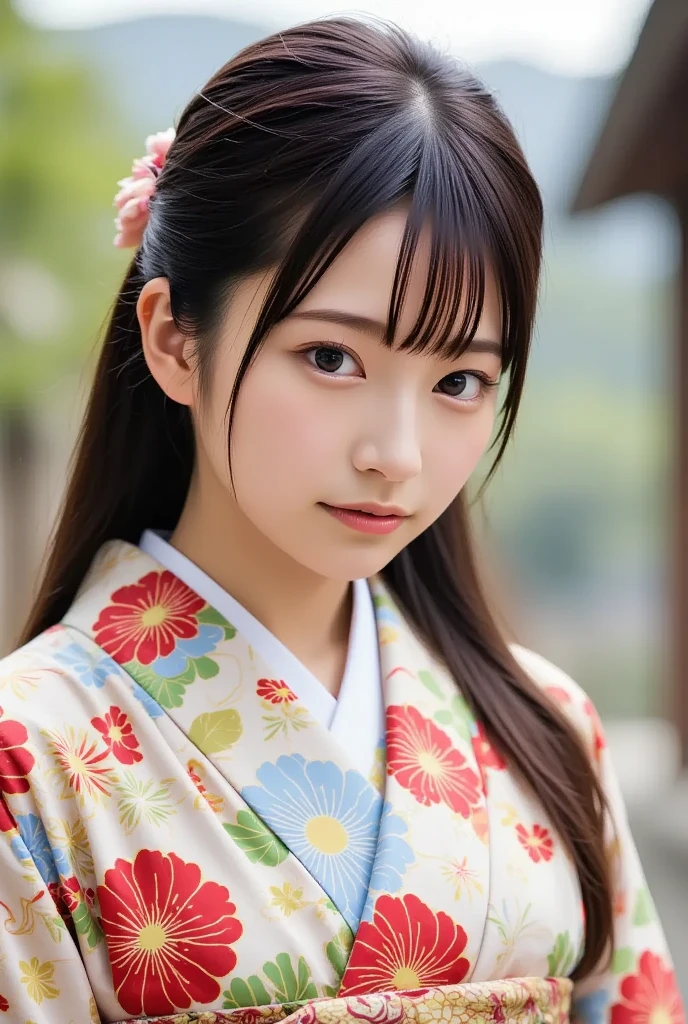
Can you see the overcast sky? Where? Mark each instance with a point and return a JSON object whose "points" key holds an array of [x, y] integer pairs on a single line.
{"points": [[576, 36]]}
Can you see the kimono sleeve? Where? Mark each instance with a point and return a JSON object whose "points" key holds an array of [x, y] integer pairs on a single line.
{"points": [[42, 976], [639, 984]]}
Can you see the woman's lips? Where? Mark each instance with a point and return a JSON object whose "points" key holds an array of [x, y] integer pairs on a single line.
{"points": [[365, 521]]}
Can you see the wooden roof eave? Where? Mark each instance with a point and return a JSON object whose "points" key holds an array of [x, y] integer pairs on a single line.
{"points": [[661, 51]]}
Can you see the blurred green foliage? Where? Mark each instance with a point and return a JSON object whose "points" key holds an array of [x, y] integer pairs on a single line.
{"points": [[60, 156]]}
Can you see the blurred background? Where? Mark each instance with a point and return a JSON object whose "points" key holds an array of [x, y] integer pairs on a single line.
{"points": [[586, 524]]}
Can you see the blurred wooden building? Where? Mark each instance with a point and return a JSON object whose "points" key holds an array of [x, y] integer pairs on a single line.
{"points": [[643, 148]]}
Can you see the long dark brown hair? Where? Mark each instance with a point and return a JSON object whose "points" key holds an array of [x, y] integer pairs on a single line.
{"points": [[289, 149]]}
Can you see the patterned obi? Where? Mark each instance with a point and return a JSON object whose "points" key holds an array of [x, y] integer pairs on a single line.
{"points": [[515, 1001]]}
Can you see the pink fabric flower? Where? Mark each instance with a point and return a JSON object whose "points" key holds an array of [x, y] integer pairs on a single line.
{"points": [[136, 190]]}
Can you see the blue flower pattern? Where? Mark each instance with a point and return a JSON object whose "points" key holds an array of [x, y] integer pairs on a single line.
{"points": [[32, 843], [151, 706], [205, 641], [593, 1008], [90, 669], [392, 858], [329, 819], [386, 615]]}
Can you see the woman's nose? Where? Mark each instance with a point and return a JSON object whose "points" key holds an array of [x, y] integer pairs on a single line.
{"points": [[391, 445]]}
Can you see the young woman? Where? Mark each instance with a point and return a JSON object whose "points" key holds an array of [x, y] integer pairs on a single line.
{"points": [[265, 753]]}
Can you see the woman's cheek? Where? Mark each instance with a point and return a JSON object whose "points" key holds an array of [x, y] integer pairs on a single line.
{"points": [[449, 462], [287, 434], [298, 419]]}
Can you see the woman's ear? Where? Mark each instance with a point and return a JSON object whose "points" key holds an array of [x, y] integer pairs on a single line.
{"points": [[167, 351]]}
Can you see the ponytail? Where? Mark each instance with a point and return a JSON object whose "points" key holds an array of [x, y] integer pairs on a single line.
{"points": [[131, 467]]}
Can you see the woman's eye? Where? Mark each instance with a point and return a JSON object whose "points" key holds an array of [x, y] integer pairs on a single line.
{"points": [[332, 361], [461, 385]]}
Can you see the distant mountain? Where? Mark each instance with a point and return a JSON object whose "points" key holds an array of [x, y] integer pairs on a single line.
{"points": [[153, 65], [150, 67], [556, 118]]}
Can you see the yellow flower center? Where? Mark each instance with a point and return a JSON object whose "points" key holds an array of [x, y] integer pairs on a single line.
{"points": [[405, 979], [115, 734], [660, 1015], [154, 616], [152, 938], [429, 763], [77, 766], [327, 834]]}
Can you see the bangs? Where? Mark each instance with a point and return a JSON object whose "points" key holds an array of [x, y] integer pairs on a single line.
{"points": [[454, 294], [448, 225], [464, 212]]}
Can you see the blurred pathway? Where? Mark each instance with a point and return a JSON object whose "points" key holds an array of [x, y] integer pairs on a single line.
{"points": [[666, 867], [646, 757]]}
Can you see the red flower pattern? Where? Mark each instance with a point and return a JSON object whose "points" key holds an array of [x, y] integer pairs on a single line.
{"points": [[7, 822], [598, 739], [275, 691], [74, 894], [558, 694], [485, 753], [405, 947], [4, 1005], [214, 802], [15, 760], [195, 777], [146, 619], [55, 890], [481, 823], [649, 996], [82, 764], [118, 734], [382, 1008], [422, 759], [168, 933], [68, 895], [538, 843], [498, 1015]]}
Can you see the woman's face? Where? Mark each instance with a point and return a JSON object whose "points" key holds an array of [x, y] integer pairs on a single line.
{"points": [[328, 419]]}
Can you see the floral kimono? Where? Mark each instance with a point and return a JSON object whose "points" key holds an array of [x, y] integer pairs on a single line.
{"points": [[184, 840]]}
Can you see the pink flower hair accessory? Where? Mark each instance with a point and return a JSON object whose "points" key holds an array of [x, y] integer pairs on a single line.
{"points": [[136, 190]]}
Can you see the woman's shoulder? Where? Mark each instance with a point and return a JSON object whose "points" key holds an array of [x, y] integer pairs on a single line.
{"points": [[565, 692], [51, 675]]}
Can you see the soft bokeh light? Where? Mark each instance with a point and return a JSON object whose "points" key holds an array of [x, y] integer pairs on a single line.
{"points": [[588, 37]]}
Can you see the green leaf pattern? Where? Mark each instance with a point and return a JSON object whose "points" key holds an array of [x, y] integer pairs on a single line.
{"points": [[285, 983], [248, 992], [562, 959], [87, 926], [208, 616], [168, 693], [456, 714], [624, 961], [143, 798], [291, 986], [431, 684], [338, 951], [260, 845], [215, 731], [644, 910]]}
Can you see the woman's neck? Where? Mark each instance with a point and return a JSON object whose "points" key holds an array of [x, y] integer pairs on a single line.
{"points": [[309, 614]]}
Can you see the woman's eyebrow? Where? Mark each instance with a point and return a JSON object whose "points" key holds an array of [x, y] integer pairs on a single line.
{"points": [[368, 325], [357, 321]]}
